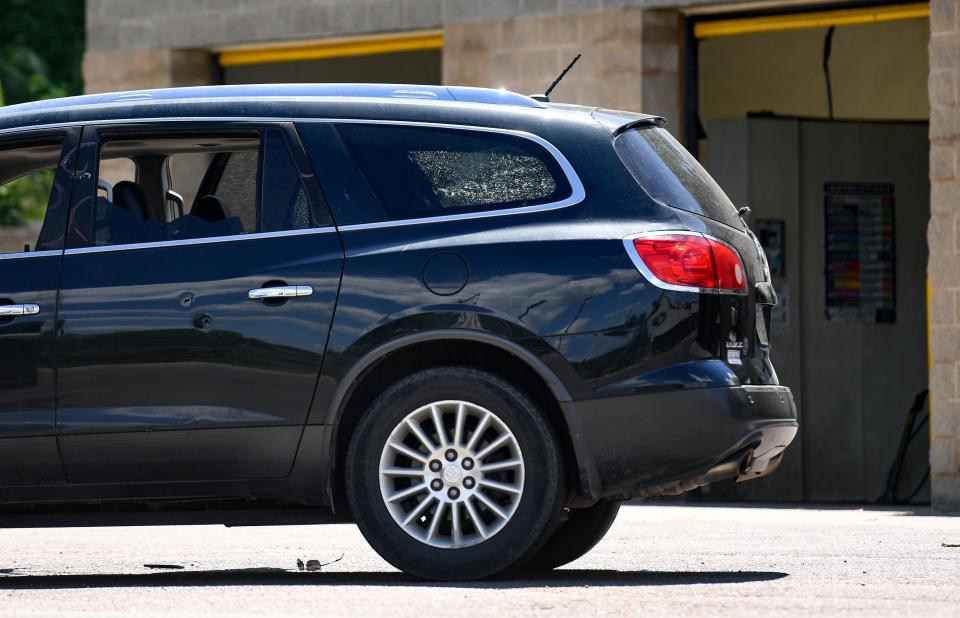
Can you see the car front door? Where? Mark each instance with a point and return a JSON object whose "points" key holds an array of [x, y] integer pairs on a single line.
{"points": [[36, 169], [192, 329]]}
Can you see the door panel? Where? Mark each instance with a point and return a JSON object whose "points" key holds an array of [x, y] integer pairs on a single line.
{"points": [[170, 372], [28, 447]]}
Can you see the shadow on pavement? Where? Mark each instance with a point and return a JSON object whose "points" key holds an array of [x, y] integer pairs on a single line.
{"points": [[279, 577], [911, 510]]}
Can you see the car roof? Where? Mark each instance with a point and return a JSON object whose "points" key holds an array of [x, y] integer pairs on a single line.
{"points": [[261, 100], [247, 91]]}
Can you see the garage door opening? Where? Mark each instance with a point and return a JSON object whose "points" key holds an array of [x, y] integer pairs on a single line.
{"points": [[818, 122], [403, 58]]}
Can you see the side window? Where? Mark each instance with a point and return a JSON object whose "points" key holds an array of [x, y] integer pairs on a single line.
{"points": [[198, 185], [425, 172], [238, 185], [185, 173], [27, 188]]}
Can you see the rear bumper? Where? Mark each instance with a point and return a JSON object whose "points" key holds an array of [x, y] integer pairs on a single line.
{"points": [[673, 441]]}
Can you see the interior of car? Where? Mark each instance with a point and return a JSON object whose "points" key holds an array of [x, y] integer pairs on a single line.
{"points": [[218, 174], [18, 162]]}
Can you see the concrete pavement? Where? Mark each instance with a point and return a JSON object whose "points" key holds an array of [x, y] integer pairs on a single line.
{"points": [[657, 560]]}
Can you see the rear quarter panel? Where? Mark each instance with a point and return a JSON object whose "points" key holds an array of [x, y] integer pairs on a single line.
{"points": [[557, 282]]}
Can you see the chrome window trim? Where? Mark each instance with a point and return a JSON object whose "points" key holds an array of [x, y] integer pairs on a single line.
{"points": [[648, 274], [29, 254], [199, 241], [577, 192]]}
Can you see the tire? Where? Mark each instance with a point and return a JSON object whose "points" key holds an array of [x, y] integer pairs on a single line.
{"points": [[580, 533], [376, 472]]}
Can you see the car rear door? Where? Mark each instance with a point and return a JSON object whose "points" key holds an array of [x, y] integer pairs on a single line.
{"points": [[36, 169], [190, 344]]}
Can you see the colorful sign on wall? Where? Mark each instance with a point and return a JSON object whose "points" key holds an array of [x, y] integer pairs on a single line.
{"points": [[860, 252]]}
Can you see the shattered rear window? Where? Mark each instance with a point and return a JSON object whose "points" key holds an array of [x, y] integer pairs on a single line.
{"points": [[489, 177], [430, 171]]}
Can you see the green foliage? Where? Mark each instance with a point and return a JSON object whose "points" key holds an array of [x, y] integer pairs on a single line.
{"points": [[24, 75], [25, 198], [41, 50]]}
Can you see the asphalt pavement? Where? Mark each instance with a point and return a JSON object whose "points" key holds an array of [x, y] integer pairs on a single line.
{"points": [[657, 560]]}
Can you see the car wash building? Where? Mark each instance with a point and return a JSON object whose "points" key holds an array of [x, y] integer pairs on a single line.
{"points": [[837, 123]]}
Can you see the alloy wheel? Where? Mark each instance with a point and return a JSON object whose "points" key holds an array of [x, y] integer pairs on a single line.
{"points": [[451, 474]]}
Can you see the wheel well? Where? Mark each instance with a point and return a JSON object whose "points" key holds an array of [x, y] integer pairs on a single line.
{"points": [[418, 356]]}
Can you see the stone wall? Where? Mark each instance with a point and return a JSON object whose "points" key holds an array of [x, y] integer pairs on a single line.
{"points": [[129, 24], [943, 235], [111, 71], [631, 58]]}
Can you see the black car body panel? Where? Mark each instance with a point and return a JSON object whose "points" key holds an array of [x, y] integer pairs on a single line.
{"points": [[171, 385], [27, 396], [729, 421]]}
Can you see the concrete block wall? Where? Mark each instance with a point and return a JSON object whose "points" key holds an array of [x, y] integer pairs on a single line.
{"points": [[943, 236], [127, 24], [110, 71], [631, 58], [130, 24]]}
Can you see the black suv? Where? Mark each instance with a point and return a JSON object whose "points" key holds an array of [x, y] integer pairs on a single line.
{"points": [[468, 320]]}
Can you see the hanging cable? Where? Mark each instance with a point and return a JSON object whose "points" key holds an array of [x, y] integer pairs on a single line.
{"points": [[827, 48]]}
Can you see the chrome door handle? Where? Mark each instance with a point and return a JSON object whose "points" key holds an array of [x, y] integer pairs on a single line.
{"points": [[283, 291], [13, 310]]}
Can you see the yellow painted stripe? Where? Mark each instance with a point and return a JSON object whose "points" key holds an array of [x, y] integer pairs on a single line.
{"points": [[929, 328], [332, 48], [818, 19]]}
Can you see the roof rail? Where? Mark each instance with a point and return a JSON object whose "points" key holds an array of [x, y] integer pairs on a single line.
{"points": [[462, 94]]}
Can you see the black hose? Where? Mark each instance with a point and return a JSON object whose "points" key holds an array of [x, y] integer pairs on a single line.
{"points": [[827, 48], [911, 429], [920, 426]]}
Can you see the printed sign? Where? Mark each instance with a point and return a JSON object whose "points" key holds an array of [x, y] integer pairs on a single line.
{"points": [[860, 257]]}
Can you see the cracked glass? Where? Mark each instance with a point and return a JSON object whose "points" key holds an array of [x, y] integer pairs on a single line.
{"points": [[431, 171]]}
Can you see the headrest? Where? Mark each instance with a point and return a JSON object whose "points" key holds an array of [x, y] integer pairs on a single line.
{"points": [[211, 208], [130, 195]]}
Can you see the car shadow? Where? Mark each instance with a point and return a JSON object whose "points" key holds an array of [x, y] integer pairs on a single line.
{"points": [[898, 510], [11, 579]]}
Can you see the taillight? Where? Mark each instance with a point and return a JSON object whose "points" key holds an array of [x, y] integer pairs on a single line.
{"points": [[691, 261], [730, 275], [678, 259]]}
